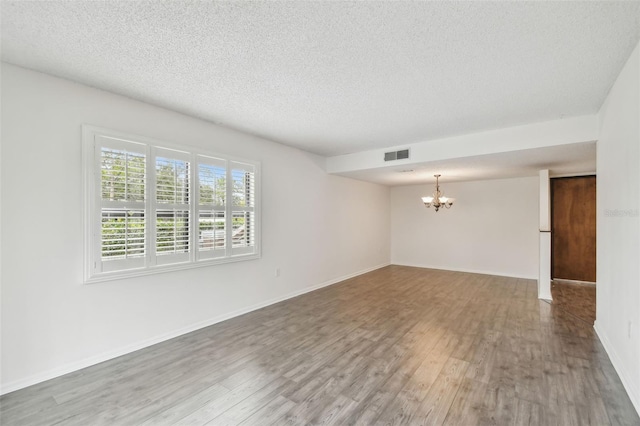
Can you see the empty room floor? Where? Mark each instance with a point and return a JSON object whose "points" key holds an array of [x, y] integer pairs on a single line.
{"points": [[577, 299], [399, 345]]}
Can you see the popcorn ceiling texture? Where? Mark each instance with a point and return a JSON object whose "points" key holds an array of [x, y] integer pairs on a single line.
{"points": [[336, 77]]}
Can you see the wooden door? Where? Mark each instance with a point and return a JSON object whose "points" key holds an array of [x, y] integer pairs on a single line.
{"points": [[573, 228]]}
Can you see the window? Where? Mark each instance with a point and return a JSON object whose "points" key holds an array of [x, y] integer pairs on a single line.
{"points": [[153, 207]]}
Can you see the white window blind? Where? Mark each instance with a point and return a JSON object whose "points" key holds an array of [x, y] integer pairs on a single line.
{"points": [[243, 207], [122, 204], [173, 206], [212, 214], [153, 206]]}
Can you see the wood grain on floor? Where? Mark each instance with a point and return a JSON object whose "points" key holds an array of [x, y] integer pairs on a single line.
{"points": [[399, 345], [576, 299]]}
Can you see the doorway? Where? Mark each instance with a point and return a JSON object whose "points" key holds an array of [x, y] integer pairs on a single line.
{"points": [[573, 244]]}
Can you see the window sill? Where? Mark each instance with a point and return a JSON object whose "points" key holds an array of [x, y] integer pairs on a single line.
{"points": [[132, 273]]}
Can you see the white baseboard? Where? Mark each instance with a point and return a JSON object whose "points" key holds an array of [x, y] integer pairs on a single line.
{"points": [[470, 271], [625, 377], [105, 356]]}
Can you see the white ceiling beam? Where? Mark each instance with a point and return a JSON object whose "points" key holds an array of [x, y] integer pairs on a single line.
{"points": [[539, 135]]}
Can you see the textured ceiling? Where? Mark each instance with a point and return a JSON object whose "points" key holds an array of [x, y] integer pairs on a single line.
{"points": [[336, 77]]}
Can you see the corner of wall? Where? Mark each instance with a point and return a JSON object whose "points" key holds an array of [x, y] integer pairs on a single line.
{"points": [[618, 365]]}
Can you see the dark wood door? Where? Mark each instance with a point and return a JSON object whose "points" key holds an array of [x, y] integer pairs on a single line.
{"points": [[573, 228]]}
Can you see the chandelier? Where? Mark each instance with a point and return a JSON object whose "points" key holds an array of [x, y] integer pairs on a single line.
{"points": [[438, 200]]}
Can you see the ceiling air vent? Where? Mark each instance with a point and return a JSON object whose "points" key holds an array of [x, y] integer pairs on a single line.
{"points": [[396, 155]]}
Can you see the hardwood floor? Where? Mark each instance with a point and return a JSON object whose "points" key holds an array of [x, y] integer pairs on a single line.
{"points": [[576, 299], [398, 345]]}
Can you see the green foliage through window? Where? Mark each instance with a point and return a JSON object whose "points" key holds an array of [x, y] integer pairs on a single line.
{"points": [[123, 234], [122, 175], [155, 205]]}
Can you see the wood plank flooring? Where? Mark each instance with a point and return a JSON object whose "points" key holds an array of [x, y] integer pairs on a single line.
{"points": [[576, 299], [399, 345]]}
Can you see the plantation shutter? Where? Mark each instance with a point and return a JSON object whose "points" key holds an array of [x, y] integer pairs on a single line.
{"points": [[243, 223], [172, 212], [123, 224], [152, 206], [211, 207]]}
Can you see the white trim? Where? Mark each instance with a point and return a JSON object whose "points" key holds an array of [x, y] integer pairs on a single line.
{"points": [[105, 356], [469, 271], [91, 129], [577, 174], [87, 203], [132, 273], [625, 377]]}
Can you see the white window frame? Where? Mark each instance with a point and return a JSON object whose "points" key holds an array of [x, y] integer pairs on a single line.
{"points": [[97, 270]]}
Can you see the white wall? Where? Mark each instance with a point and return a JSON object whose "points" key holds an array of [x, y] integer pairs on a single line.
{"points": [[316, 228], [475, 235], [618, 223]]}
